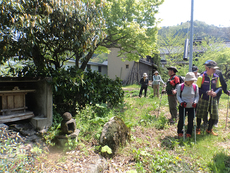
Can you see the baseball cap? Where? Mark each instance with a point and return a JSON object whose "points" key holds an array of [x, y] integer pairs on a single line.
{"points": [[194, 69], [212, 64], [206, 62]]}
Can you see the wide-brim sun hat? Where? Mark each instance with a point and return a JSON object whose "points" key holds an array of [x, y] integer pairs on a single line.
{"points": [[190, 76], [172, 68], [145, 75], [156, 72]]}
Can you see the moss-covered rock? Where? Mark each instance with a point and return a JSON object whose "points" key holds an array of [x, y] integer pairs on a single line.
{"points": [[114, 134]]}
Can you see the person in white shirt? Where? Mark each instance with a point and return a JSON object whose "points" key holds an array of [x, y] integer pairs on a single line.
{"points": [[188, 97], [156, 83]]}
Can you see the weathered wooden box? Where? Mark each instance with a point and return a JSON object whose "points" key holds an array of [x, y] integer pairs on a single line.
{"points": [[24, 98]]}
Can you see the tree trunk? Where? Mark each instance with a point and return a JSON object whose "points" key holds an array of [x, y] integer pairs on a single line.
{"points": [[87, 58], [38, 58]]}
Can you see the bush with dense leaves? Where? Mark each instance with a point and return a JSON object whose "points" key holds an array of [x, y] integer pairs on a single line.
{"points": [[73, 89]]}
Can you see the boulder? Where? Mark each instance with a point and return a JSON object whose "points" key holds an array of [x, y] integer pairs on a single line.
{"points": [[114, 134]]}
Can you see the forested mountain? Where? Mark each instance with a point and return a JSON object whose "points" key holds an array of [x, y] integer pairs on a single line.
{"points": [[201, 30]]}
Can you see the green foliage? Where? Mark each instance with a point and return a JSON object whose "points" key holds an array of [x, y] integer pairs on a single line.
{"points": [[161, 122], [50, 32], [70, 144], [100, 58], [220, 163], [14, 158], [131, 26], [171, 44], [90, 122], [201, 30], [106, 149], [171, 40], [154, 161], [73, 89]]}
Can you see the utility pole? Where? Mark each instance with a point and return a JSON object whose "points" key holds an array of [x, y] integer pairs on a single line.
{"points": [[191, 38]]}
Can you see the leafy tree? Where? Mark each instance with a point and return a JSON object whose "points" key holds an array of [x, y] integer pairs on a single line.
{"points": [[100, 58], [171, 43], [50, 32], [216, 51], [131, 27], [201, 30]]}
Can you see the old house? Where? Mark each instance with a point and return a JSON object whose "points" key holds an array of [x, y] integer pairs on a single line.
{"points": [[129, 72], [99, 67]]}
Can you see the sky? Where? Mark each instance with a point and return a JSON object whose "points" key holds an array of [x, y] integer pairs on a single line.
{"points": [[212, 12]]}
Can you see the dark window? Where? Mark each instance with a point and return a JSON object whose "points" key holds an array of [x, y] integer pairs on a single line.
{"points": [[127, 66], [99, 68]]}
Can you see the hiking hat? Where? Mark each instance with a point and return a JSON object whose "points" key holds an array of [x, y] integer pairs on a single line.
{"points": [[145, 75], [206, 62], [212, 64], [194, 69], [172, 68], [156, 72], [190, 76]]}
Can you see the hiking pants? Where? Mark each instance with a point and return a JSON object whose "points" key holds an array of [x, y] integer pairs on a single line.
{"points": [[172, 106], [190, 112], [156, 90], [143, 88]]}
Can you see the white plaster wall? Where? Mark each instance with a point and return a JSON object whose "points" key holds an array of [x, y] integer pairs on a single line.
{"points": [[117, 67]]}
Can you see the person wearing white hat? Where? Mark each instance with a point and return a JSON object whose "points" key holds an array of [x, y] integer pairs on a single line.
{"points": [[187, 96], [144, 84], [156, 83]]}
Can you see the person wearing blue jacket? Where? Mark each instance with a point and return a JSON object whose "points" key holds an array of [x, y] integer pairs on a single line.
{"points": [[209, 86]]}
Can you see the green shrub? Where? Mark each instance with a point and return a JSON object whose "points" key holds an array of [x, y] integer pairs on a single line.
{"points": [[75, 88]]}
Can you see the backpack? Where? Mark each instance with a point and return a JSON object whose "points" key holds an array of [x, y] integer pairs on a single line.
{"points": [[182, 87], [181, 79], [204, 78]]}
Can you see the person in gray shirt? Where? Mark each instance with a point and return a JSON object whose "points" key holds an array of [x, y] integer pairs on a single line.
{"points": [[156, 83], [188, 97]]}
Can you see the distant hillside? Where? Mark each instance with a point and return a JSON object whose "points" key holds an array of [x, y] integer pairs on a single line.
{"points": [[201, 30]]}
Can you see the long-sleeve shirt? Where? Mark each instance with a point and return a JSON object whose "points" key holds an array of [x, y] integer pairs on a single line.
{"points": [[172, 83], [157, 79], [222, 81], [188, 95], [144, 82]]}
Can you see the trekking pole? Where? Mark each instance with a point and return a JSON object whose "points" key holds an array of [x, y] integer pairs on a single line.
{"points": [[227, 114], [195, 124], [184, 125], [160, 102]]}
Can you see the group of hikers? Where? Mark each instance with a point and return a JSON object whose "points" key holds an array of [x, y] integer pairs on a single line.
{"points": [[197, 95]]}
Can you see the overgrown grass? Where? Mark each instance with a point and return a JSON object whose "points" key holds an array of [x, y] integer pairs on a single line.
{"points": [[204, 156], [208, 154]]}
